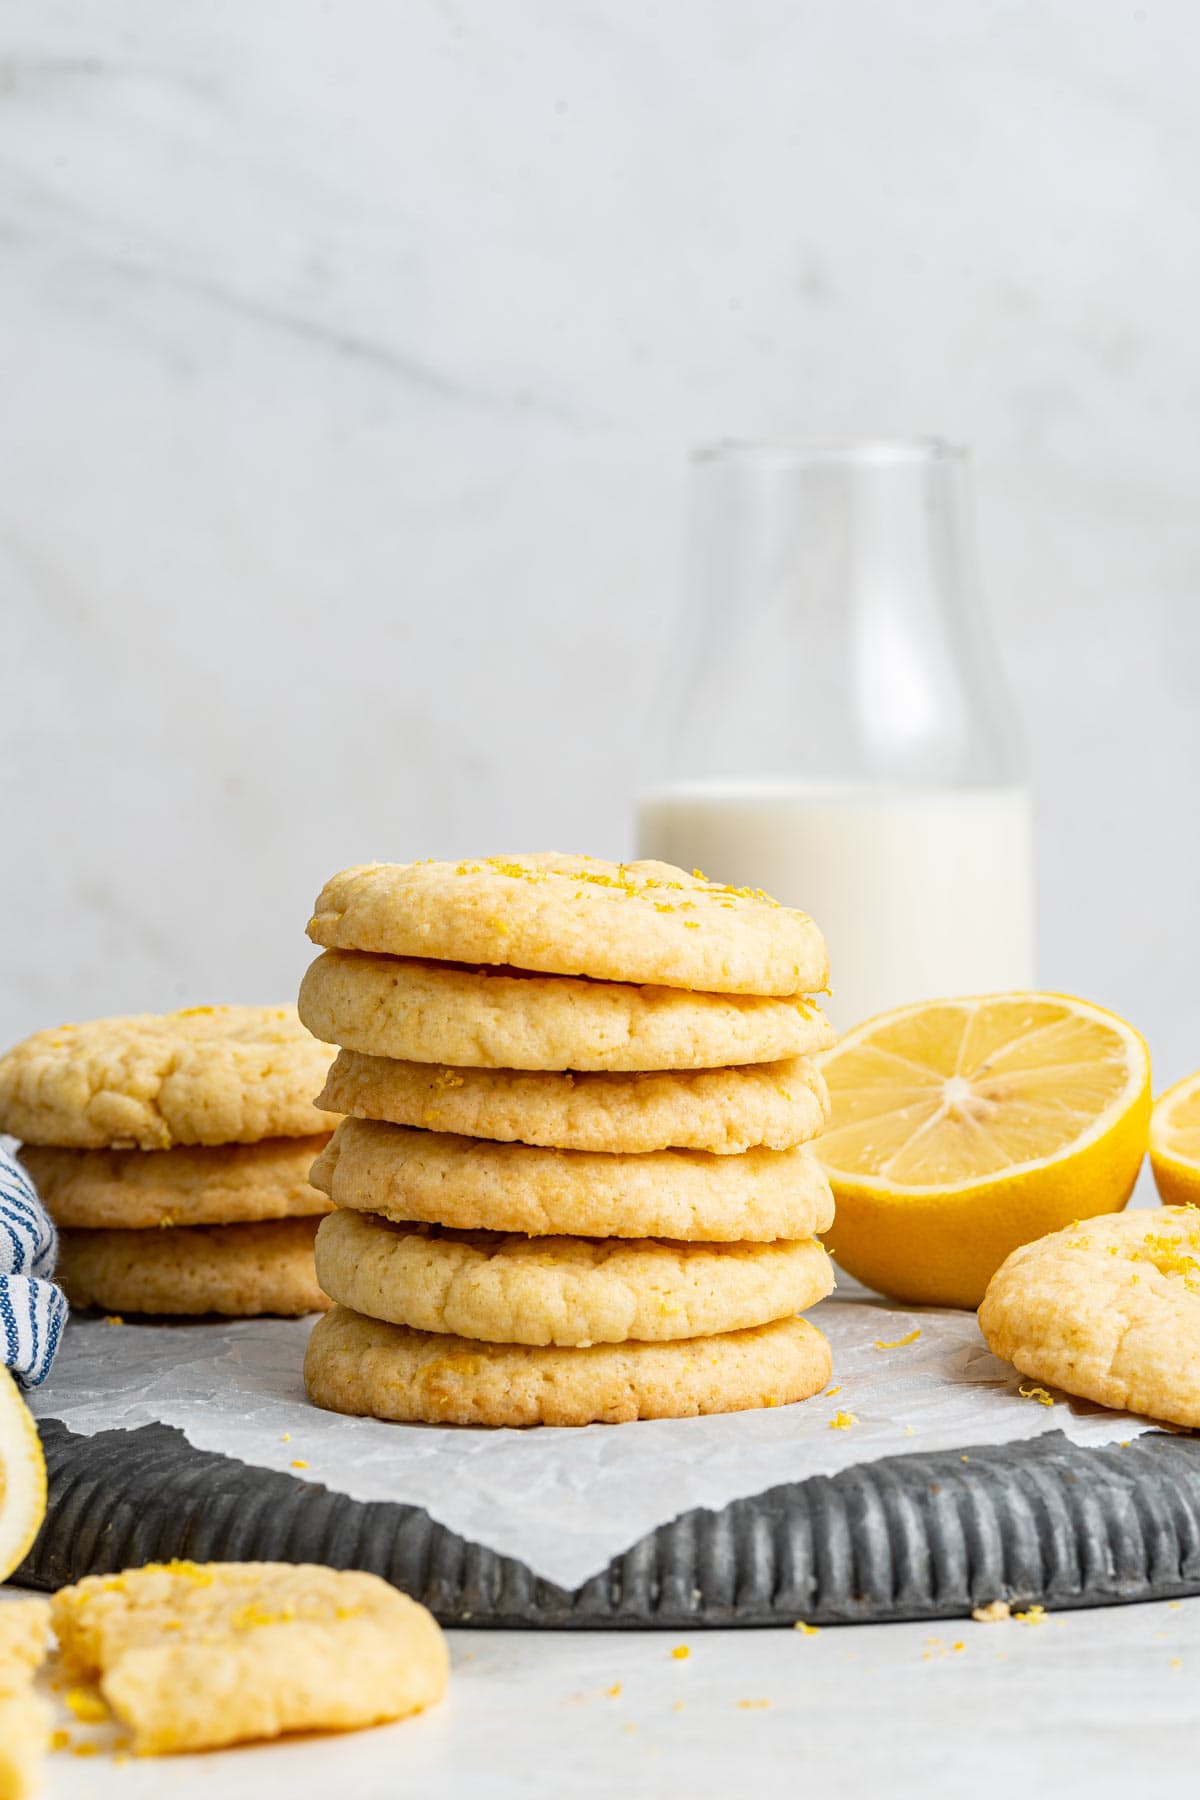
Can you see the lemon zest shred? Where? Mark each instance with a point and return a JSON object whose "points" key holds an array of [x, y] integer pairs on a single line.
{"points": [[897, 1343]]}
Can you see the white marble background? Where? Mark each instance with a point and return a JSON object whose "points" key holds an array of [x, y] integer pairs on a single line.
{"points": [[349, 354]]}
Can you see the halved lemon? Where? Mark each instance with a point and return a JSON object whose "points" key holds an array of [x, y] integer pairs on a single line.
{"points": [[964, 1128], [1175, 1143], [22, 1477]]}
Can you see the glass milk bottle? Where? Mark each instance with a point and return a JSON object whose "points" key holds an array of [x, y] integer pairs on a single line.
{"points": [[839, 733]]}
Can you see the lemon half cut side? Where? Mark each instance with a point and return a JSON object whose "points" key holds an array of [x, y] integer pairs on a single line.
{"points": [[22, 1478], [1175, 1143], [964, 1128]]}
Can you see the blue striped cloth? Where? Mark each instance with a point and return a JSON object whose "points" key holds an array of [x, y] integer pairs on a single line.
{"points": [[32, 1310]]}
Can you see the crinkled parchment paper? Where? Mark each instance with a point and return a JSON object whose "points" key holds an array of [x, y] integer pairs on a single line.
{"points": [[563, 1501]]}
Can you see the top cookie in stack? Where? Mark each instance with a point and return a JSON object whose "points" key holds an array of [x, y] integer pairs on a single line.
{"points": [[600, 1057], [173, 1150]]}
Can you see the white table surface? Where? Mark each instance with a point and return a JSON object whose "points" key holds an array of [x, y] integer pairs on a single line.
{"points": [[1092, 1704]]}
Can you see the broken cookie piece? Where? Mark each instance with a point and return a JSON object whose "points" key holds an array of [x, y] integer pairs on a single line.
{"points": [[192, 1656]]}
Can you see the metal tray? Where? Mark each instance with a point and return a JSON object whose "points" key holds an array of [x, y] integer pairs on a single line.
{"points": [[908, 1537]]}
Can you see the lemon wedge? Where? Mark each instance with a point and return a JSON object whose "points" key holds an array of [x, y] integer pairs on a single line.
{"points": [[964, 1128], [1175, 1143], [22, 1477]]}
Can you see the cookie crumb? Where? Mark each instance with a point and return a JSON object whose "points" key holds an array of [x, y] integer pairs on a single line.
{"points": [[681, 1652], [1036, 1393], [993, 1613], [842, 1421], [87, 1706], [897, 1343], [1033, 1615], [804, 1629]]}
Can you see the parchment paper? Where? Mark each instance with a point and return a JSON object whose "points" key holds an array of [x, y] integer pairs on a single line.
{"points": [[563, 1501]]}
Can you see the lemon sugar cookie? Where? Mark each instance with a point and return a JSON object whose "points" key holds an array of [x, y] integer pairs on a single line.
{"points": [[640, 922], [475, 1185], [192, 1656], [562, 1290], [766, 1105], [209, 1075], [366, 1366], [218, 1184], [1108, 1309], [430, 1012], [238, 1270]]}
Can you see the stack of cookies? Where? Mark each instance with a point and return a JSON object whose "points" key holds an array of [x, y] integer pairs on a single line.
{"points": [[173, 1152], [575, 1181]]}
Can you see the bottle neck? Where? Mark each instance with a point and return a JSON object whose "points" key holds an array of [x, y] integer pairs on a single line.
{"points": [[832, 626]]}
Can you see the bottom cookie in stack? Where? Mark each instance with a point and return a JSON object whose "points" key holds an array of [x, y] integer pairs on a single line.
{"points": [[226, 1228], [358, 1365]]}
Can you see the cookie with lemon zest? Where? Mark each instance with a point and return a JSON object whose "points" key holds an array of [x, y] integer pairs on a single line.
{"points": [[365, 1366], [1109, 1310], [474, 1185], [769, 1105], [431, 1012], [562, 1290], [212, 1184], [207, 1075], [641, 922], [238, 1270]]}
